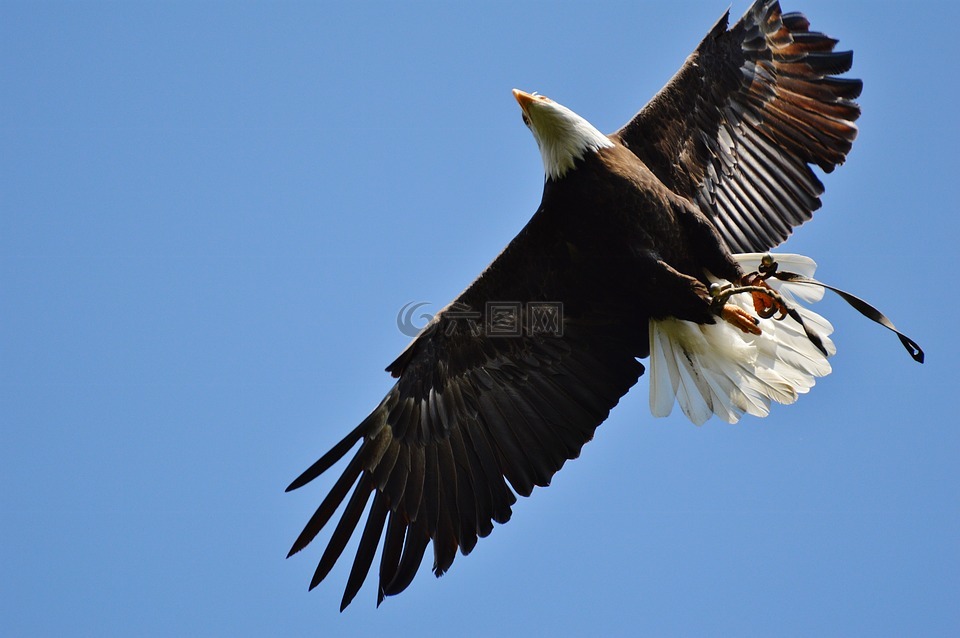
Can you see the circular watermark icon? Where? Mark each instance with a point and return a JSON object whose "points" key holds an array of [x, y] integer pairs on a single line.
{"points": [[406, 321]]}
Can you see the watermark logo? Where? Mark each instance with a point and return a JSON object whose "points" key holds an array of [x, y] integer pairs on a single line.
{"points": [[546, 318], [503, 319], [498, 319], [405, 320]]}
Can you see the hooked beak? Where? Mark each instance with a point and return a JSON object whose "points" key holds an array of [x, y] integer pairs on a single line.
{"points": [[523, 98]]}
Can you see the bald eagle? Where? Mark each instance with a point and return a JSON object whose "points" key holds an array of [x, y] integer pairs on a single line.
{"points": [[648, 242]]}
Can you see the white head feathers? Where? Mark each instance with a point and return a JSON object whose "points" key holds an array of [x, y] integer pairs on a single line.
{"points": [[563, 136]]}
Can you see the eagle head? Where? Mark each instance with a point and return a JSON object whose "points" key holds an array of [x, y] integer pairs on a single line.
{"points": [[563, 136]]}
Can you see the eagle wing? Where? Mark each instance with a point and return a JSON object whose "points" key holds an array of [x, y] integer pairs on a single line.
{"points": [[737, 128], [472, 419]]}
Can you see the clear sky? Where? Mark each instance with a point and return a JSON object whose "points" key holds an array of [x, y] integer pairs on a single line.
{"points": [[210, 215]]}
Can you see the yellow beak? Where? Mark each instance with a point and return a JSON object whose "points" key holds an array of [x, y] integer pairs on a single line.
{"points": [[523, 98]]}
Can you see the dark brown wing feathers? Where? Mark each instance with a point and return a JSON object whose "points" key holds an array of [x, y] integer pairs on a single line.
{"points": [[443, 460], [738, 127]]}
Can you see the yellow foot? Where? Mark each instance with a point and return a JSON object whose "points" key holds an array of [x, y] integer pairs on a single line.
{"points": [[767, 304], [740, 318]]}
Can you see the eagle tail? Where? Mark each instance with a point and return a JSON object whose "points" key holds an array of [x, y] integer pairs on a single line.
{"points": [[718, 369]]}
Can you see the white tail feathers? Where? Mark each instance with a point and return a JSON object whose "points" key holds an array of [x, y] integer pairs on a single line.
{"points": [[718, 369]]}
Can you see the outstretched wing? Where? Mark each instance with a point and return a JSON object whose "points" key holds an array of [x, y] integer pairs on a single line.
{"points": [[468, 415], [738, 127]]}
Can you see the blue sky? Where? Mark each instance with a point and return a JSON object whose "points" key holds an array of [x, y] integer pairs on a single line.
{"points": [[211, 215]]}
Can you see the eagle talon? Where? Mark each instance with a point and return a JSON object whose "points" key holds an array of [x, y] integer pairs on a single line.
{"points": [[740, 318], [766, 301], [767, 305]]}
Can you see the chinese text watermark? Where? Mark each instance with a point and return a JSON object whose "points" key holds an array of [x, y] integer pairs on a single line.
{"points": [[496, 319]]}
